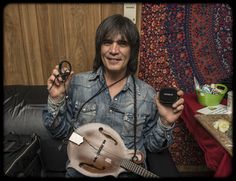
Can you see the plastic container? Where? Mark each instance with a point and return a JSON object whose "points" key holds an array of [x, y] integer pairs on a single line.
{"points": [[207, 99]]}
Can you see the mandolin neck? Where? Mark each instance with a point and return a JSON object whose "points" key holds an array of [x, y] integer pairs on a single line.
{"points": [[133, 167]]}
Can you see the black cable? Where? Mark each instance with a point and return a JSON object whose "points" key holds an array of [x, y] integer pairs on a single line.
{"points": [[135, 158], [64, 74], [97, 93]]}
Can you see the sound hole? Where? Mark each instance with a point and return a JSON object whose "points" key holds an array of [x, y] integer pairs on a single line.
{"points": [[107, 135], [90, 165]]}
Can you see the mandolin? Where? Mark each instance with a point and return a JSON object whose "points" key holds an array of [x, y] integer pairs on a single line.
{"points": [[97, 150]]}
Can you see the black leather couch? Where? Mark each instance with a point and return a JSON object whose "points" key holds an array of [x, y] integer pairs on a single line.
{"points": [[23, 106]]}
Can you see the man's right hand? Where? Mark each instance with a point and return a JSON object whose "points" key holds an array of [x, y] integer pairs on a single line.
{"points": [[56, 85]]}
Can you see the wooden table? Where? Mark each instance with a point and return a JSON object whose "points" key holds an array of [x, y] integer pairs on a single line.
{"points": [[225, 139]]}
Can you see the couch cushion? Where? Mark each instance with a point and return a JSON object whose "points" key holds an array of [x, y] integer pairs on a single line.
{"points": [[23, 107]]}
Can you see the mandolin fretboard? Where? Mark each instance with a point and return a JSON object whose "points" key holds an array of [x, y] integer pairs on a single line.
{"points": [[133, 167]]}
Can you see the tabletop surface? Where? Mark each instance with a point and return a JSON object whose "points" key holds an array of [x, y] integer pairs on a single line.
{"points": [[225, 139]]}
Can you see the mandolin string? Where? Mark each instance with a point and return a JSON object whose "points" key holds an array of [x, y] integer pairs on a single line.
{"points": [[91, 143], [104, 150]]}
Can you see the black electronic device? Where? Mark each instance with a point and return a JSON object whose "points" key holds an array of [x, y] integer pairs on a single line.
{"points": [[168, 95], [64, 69]]}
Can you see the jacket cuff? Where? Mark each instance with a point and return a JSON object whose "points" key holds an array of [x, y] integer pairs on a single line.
{"points": [[165, 127]]}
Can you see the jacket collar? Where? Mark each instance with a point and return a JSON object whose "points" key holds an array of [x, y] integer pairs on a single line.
{"points": [[100, 74]]}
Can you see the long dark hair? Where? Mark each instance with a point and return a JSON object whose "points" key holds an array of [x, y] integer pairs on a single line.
{"points": [[111, 26]]}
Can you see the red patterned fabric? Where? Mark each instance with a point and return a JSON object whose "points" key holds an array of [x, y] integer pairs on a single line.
{"points": [[180, 41]]}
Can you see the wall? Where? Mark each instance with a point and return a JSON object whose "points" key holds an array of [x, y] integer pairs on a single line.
{"points": [[38, 36]]}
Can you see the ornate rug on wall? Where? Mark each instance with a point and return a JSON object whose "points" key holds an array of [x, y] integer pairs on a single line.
{"points": [[178, 42]]}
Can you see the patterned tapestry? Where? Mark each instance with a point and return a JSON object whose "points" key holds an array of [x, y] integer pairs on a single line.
{"points": [[180, 41]]}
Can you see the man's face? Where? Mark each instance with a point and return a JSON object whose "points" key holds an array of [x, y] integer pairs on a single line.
{"points": [[115, 54]]}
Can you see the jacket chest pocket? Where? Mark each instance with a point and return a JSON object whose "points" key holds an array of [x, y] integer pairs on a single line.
{"points": [[87, 113], [128, 125]]}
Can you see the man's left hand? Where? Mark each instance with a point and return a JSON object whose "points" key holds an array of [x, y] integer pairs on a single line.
{"points": [[169, 115]]}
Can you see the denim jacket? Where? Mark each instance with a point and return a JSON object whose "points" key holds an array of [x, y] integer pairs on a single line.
{"points": [[118, 112]]}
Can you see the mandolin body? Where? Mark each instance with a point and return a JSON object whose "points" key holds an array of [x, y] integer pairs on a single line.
{"points": [[101, 153]]}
